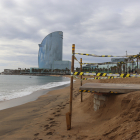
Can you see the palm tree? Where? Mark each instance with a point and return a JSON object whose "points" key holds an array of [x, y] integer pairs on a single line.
{"points": [[68, 71], [115, 67], [138, 57], [131, 60], [112, 68], [129, 69], [119, 67], [45, 70], [126, 61], [123, 68], [97, 66]]}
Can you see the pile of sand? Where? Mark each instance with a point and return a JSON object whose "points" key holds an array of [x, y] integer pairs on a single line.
{"points": [[118, 120]]}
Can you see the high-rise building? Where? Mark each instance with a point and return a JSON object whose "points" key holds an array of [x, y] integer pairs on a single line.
{"points": [[50, 52]]}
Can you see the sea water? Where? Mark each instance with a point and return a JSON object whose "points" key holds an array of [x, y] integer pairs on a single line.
{"points": [[14, 86]]}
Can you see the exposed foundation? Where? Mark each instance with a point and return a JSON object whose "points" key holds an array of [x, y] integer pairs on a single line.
{"points": [[99, 101], [102, 90]]}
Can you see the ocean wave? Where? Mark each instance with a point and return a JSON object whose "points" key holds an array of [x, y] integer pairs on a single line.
{"points": [[30, 90]]}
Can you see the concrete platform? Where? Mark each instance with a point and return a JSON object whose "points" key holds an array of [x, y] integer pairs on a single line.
{"points": [[108, 87]]}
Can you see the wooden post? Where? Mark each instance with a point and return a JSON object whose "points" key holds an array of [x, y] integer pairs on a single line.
{"points": [[81, 77], [69, 114]]}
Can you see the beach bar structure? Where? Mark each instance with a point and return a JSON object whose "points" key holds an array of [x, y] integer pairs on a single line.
{"points": [[100, 90]]}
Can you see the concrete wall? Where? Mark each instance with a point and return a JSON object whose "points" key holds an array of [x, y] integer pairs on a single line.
{"points": [[99, 101]]}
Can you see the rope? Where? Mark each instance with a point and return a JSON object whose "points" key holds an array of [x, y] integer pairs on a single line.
{"points": [[105, 74], [76, 60], [99, 55], [104, 63], [94, 55]]}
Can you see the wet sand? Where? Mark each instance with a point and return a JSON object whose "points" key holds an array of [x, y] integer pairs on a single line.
{"points": [[45, 118], [28, 98]]}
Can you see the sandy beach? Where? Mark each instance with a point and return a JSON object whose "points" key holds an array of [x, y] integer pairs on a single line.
{"points": [[45, 118]]}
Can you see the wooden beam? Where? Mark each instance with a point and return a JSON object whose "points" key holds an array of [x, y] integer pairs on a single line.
{"points": [[69, 114]]}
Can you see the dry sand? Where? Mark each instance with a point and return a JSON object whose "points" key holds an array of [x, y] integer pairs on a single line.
{"points": [[45, 119]]}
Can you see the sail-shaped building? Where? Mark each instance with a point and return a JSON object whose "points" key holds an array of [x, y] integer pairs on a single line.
{"points": [[50, 52]]}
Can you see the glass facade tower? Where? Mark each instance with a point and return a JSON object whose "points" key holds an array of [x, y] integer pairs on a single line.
{"points": [[50, 52]]}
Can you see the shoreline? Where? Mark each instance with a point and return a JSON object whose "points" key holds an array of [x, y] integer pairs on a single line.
{"points": [[28, 98]]}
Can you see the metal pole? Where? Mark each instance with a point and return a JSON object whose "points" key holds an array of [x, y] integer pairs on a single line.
{"points": [[81, 77]]}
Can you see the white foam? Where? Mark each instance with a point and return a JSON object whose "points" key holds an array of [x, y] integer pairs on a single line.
{"points": [[29, 90]]}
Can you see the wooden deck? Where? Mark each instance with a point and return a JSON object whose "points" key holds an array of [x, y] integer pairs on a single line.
{"points": [[110, 88]]}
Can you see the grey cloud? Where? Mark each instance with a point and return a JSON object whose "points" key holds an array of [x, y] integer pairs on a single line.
{"points": [[94, 26], [18, 49], [68, 18], [8, 3], [3, 64], [31, 60]]}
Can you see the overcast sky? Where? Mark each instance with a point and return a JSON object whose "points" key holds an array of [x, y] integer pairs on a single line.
{"points": [[102, 27]]}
